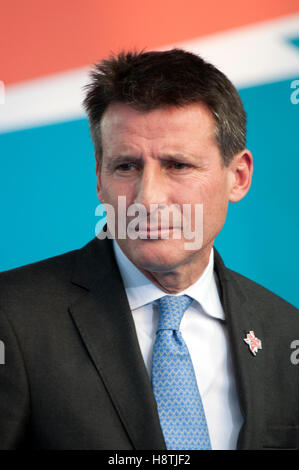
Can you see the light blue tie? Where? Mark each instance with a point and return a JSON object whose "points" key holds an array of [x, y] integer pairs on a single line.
{"points": [[180, 408]]}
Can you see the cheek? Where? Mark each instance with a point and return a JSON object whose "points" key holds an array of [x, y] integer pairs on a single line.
{"points": [[111, 190], [196, 191], [212, 193]]}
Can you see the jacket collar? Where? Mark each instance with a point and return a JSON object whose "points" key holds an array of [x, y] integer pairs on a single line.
{"points": [[249, 370], [141, 291], [104, 320]]}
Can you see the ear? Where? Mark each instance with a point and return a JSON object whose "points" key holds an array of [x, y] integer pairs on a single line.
{"points": [[241, 169], [98, 174]]}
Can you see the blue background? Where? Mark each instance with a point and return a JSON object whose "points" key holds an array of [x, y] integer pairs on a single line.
{"points": [[48, 193]]}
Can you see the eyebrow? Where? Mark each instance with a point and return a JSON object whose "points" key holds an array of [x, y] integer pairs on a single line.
{"points": [[176, 156], [115, 160]]}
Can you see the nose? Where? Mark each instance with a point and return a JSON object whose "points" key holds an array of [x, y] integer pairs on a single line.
{"points": [[152, 187]]}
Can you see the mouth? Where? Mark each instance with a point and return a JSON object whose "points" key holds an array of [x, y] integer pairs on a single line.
{"points": [[156, 232]]}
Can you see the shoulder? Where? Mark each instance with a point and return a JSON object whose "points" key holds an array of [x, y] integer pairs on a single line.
{"points": [[279, 318], [44, 286], [53, 281], [260, 294], [50, 278], [262, 300], [55, 269], [36, 274]]}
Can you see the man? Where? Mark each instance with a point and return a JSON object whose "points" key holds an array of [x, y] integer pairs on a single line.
{"points": [[89, 362]]}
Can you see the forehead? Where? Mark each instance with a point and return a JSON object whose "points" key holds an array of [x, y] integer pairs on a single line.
{"points": [[122, 122]]}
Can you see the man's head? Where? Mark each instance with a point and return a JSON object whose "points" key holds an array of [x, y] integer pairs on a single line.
{"points": [[168, 129], [151, 80]]}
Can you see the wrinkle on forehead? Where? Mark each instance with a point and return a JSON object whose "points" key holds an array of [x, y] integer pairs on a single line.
{"points": [[122, 123], [196, 114]]}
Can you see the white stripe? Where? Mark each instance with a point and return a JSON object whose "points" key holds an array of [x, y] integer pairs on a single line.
{"points": [[252, 55], [249, 56], [44, 101]]}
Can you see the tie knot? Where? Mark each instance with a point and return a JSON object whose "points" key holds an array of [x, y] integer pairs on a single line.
{"points": [[171, 311]]}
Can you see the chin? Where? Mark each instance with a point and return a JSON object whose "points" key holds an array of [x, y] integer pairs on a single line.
{"points": [[156, 255]]}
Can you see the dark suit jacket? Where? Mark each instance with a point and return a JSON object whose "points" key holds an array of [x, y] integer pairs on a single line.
{"points": [[74, 377]]}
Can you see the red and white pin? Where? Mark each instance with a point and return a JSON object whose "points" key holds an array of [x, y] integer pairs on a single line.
{"points": [[253, 342]]}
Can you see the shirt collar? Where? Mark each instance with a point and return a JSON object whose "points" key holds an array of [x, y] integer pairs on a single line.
{"points": [[141, 291]]}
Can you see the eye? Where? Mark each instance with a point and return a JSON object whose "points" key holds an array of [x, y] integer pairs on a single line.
{"points": [[126, 167], [178, 165]]}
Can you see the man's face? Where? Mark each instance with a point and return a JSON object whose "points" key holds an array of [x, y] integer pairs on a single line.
{"points": [[165, 156]]}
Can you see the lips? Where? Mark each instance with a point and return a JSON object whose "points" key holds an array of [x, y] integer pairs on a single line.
{"points": [[153, 229], [158, 232]]}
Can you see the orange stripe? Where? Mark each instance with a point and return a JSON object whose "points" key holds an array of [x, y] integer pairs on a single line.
{"points": [[40, 38]]}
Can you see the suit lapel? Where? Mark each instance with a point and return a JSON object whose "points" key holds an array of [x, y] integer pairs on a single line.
{"points": [[250, 370], [105, 323], [103, 318]]}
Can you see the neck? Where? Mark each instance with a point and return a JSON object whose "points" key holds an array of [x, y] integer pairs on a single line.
{"points": [[174, 281]]}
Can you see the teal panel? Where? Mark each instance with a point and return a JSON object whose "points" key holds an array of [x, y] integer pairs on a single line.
{"points": [[48, 193], [294, 41], [261, 231]]}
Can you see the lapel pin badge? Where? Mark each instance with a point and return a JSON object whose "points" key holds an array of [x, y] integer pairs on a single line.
{"points": [[253, 342]]}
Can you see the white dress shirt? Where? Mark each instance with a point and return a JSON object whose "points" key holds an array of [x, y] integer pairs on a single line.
{"points": [[205, 334]]}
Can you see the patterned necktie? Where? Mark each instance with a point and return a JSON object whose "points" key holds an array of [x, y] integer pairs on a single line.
{"points": [[180, 408]]}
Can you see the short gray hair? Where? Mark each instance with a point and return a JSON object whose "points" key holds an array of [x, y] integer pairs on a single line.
{"points": [[150, 80]]}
